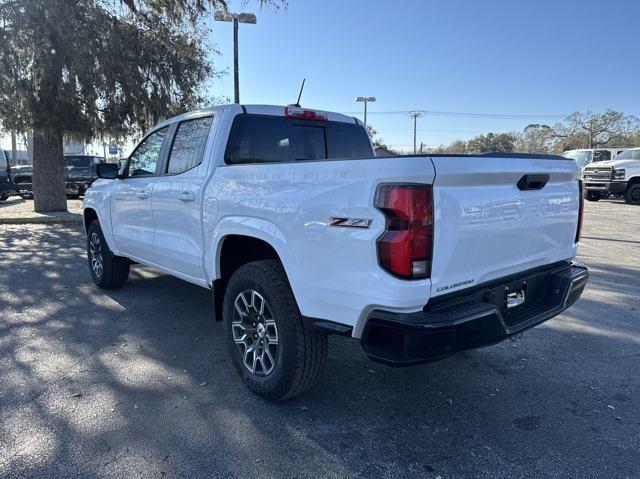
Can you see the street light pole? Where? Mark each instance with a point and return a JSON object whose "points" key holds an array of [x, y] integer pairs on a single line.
{"points": [[236, 74], [236, 18], [365, 100], [415, 115]]}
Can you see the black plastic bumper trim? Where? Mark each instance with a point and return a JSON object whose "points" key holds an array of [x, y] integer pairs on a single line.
{"points": [[472, 319]]}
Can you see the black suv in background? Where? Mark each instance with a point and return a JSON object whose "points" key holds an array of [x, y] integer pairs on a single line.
{"points": [[79, 173], [7, 187]]}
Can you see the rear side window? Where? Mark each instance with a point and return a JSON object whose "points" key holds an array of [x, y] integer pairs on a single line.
{"points": [[188, 145], [274, 139]]}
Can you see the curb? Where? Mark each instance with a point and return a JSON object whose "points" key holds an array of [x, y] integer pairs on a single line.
{"points": [[69, 218]]}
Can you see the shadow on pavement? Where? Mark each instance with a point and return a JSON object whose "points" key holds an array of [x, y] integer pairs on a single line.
{"points": [[137, 382]]}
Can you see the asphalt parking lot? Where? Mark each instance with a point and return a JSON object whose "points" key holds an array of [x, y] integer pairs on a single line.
{"points": [[136, 382]]}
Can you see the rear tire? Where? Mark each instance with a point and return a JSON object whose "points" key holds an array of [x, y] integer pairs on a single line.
{"points": [[632, 195], [592, 196], [107, 270], [277, 354]]}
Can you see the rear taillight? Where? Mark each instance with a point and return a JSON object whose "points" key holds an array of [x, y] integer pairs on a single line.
{"points": [[405, 248], [581, 209]]}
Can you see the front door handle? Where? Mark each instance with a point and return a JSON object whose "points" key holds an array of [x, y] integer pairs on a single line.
{"points": [[143, 195], [186, 196]]}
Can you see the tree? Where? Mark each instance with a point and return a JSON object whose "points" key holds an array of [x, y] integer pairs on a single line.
{"points": [[95, 67], [535, 138], [502, 142], [589, 130]]}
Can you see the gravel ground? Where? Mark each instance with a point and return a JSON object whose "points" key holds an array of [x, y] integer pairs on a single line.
{"points": [[15, 209], [136, 382]]}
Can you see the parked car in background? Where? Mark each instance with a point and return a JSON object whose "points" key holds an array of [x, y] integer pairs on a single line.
{"points": [[590, 155], [22, 179], [79, 173], [619, 177], [7, 187], [299, 231]]}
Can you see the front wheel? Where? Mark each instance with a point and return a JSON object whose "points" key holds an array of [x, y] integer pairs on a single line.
{"points": [[277, 354], [107, 270], [632, 195], [592, 195]]}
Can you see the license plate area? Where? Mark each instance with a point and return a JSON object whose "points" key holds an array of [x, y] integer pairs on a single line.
{"points": [[515, 295]]}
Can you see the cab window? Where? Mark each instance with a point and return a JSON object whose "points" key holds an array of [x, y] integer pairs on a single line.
{"points": [[144, 160]]}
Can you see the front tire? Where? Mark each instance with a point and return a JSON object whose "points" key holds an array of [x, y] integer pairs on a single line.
{"points": [[107, 270], [632, 195], [277, 354], [592, 195]]}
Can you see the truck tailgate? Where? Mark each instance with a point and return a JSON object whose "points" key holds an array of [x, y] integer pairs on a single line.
{"points": [[488, 227]]}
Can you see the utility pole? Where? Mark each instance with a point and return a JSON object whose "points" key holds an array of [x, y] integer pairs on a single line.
{"points": [[415, 115], [591, 132], [236, 18], [365, 100]]}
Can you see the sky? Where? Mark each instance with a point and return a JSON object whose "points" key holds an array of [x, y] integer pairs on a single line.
{"points": [[531, 61], [540, 58]]}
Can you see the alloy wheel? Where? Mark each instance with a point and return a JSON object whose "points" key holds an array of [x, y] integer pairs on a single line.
{"points": [[255, 332], [95, 252]]}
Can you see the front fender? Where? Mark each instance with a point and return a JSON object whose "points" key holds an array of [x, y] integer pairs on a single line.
{"points": [[98, 199]]}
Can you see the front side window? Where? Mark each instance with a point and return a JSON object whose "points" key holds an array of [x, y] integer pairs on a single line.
{"points": [[274, 139], [629, 155], [144, 159], [188, 145]]}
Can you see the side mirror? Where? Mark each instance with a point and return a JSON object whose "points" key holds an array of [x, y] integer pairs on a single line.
{"points": [[108, 171]]}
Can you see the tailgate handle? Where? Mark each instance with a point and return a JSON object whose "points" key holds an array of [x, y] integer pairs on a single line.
{"points": [[532, 182]]}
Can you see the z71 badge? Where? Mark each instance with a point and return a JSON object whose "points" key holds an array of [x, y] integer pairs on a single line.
{"points": [[350, 222]]}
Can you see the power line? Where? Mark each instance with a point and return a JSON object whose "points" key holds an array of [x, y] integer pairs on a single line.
{"points": [[433, 130], [515, 116]]}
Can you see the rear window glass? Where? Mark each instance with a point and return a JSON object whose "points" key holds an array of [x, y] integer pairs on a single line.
{"points": [[81, 161], [274, 139]]}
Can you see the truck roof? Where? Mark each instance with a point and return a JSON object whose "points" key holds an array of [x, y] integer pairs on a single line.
{"points": [[276, 110]]}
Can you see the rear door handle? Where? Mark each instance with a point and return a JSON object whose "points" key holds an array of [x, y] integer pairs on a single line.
{"points": [[532, 182], [143, 195], [186, 196]]}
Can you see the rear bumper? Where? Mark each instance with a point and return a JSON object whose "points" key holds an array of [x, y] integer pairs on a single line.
{"points": [[473, 318], [614, 187]]}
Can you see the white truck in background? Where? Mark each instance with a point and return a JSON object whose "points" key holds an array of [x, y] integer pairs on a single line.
{"points": [[618, 177], [299, 231]]}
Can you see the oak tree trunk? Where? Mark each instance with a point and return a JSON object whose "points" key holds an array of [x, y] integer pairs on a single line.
{"points": [[49, 192]]}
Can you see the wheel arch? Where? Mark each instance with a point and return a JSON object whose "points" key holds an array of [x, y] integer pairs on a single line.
{"points": [[89, 215], [634, 180], [233, 251]]}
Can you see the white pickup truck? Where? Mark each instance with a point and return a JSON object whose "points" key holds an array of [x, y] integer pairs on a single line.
{"points": [[299, 231], [618, 177]]}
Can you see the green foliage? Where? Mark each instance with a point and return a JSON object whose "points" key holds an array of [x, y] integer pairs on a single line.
{"points": [[579, 130], [90, 66]]}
